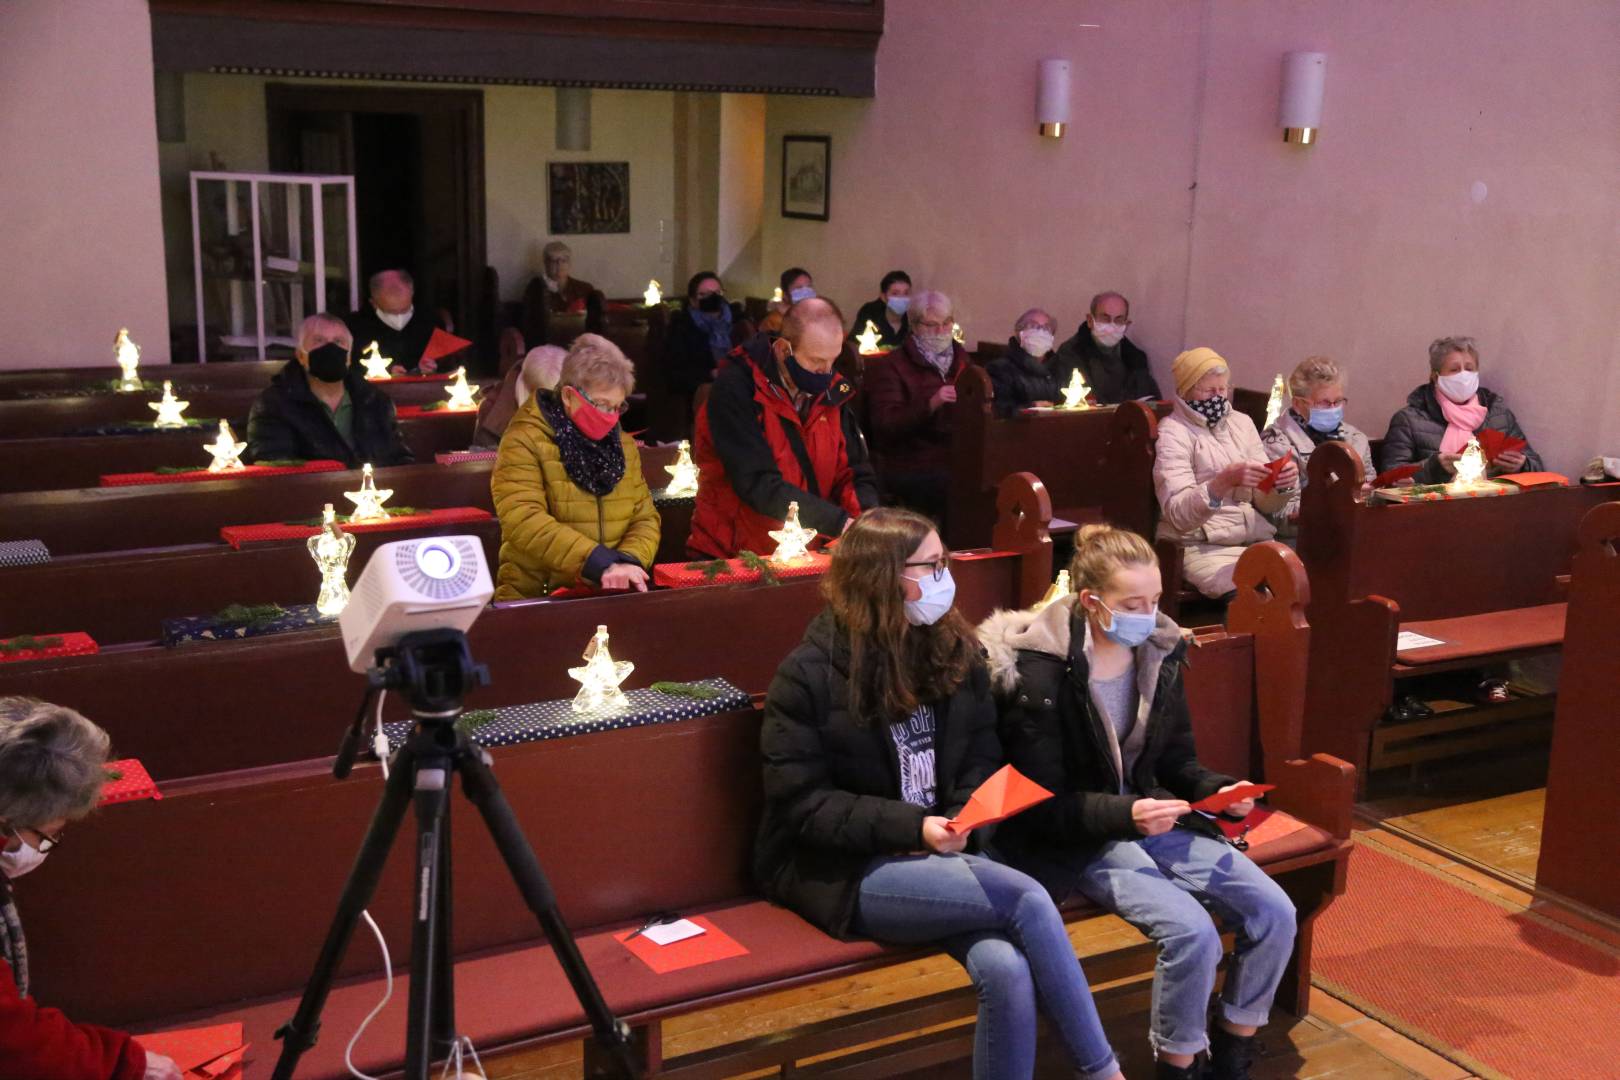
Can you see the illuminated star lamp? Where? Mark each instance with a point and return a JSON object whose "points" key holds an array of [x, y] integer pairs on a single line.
{"points": [[958, 335], [331, 549], [776, 297], [599, 677], [1060, 588], [867, 340], [128, 355], [1274, 406], [170, 410], [461, 394], [225, 450], [792, 539], [683, 475], [1470, 467], [375, 363], [654, 295], [1074, 395], [368, 501]]}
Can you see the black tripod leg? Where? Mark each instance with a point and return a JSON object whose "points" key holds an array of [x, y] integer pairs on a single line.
{"points": [[299, 1034], [480, 786], [432, 796], [444, 997]]}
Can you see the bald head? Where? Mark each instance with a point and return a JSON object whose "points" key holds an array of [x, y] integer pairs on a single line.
{"points": [[392, 291], [815, 330]]}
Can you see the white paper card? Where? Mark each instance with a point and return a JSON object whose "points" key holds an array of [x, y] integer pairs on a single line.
{"points": [[670, 933], [1408, 640]]}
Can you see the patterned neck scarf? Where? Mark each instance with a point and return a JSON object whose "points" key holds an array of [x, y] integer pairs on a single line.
{"points": [[1211, 409], [597, 467], [717, 327], [13, 946]]}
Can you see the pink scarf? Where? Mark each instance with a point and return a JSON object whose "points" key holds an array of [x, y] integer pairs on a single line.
{"points": [[1461, 421]]}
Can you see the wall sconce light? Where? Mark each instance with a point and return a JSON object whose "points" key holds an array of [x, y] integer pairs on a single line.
{"points": [[573, 118], [1299, 111], [1052, 98]]}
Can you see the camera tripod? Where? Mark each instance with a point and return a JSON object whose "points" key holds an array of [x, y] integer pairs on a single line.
{"points": [[434, 669]]}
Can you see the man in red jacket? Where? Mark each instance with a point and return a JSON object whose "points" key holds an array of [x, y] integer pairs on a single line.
{"points": [[776, 429]]}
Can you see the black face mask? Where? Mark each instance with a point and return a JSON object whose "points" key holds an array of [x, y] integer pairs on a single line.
{"points": [[329, 362], [712, 303], [810, 382]]}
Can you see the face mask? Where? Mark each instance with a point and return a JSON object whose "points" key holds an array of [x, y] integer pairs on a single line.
{"points": [[396, 321], [329, 362], [804, 293], [1459, 387], [14, 864], [1211, 409], [711, 303], [551, 286], [898, 304], [934, 344], [1128, 628], [937, 598], [811, 382], [592, 422], [1108, 334], [1036, 342], [1327, 420]]}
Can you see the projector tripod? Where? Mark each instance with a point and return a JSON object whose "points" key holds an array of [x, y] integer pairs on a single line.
{"points": [[434, 669]]}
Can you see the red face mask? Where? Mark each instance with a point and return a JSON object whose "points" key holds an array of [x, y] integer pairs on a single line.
{"points": [[593, 423]]}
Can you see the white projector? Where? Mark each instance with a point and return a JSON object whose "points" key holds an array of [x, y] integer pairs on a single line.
{"points": [[435, 583]]}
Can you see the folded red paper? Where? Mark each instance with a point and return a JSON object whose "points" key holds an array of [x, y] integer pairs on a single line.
{"points": [[1536, 479], [1496, 443], [1221, 800], [711, 945], [1261, 826], [1273, 471], [208, 1052], [443, 344], [1390, 477], [1006, 793], [133, 782]]}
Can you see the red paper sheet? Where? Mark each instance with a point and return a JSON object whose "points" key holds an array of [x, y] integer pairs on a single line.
{"points": [[1536, 479], [133, 478], [1391, 477], [1261, 826], [74, 643], [1006, 793], [1273, 470], [711, 945], [443, 344], [209, 1051], [1218, 802], [237, 535], [417, 412], [1496, 443], [134, 782], [678, 576]]}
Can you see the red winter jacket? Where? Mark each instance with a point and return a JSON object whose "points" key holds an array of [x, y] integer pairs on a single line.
{"points": [[42, 1044], [908, 436], [755, 454]]}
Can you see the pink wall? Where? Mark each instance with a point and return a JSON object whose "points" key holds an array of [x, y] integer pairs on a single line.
{"points": [[1365, 247], [81, 223]]}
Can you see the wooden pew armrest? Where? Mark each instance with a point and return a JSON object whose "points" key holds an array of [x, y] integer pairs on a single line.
{"points": [[1319, 790]]}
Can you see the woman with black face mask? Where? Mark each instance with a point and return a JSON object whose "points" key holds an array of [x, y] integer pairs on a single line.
{"points": [[699, 336]]}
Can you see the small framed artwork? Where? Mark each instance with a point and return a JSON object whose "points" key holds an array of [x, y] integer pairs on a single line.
{"points": [[589, 197], [806, 176]]}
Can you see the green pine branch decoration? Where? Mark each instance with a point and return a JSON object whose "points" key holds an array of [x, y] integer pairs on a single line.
{"points": [[767, 572], [252, 616], [473, 719], [29, 643], [695, 691]]}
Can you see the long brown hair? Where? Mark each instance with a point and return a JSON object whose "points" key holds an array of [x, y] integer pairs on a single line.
{"points": [[893, 666]]}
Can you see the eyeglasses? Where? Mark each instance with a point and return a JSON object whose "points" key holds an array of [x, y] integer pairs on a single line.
{"points": [[1104, 320], [46, 841], [939, 566], [621, 408]]}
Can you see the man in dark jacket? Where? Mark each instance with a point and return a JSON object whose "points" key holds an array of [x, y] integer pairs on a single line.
{"points": [[320, 407], [1112, 365], [392, 321], [776, 430], [1027, 374]]}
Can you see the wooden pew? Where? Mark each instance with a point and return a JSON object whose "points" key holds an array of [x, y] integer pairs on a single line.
{"points": [[1097, 464], [220, 375], [1580, 833], [1487, 567]]}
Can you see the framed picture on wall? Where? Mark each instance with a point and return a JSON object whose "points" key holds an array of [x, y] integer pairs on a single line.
{"points": [[806, 176], [589, 197]]}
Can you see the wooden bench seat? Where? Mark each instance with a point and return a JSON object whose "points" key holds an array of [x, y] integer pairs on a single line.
{"points": [[1498, 635]]}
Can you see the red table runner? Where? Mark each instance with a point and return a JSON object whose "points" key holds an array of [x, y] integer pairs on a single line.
{"points": [[451, 457], [237, 535], [72, 644], [689, 575], [129, 479], [133, 782], [412, 412]]}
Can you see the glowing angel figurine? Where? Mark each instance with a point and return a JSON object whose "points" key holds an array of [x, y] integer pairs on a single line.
{"points": [[958, 335], [1274, 406], [683, 475], [867, 340], [792, 539], [375, 363], [368, 501], [169, 410], [128, 355], [776, 297], [599, 677], [654, 295], [225, 450], [461, 395], [1060, 588], [1074, 395], [1470, 467], [331, 549]]}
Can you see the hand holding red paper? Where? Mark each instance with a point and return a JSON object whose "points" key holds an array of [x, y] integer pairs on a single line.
{"points": [[1391, 477], [1006, 793], [1230, 798], [1495, 443], [439, 346], [1274, 471]]}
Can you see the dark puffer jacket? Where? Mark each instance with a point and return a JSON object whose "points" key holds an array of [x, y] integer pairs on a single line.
{"points": [[1115, 376], [1018, 380], [1415, 433], [832, 781], [289, 421]]}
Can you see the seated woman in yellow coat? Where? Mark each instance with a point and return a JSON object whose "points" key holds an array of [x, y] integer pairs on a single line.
{"points": [[568, 488]]}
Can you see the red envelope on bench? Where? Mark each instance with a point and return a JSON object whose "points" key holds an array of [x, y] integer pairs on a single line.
{"points": [[1221, 800], [201, 1052], [1273, 470], [443, 344], [711, 945], [1006, 793], [1391, 477], [1261, 826]]}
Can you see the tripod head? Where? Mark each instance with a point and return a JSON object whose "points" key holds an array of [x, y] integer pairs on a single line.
{"points": [[433, 669]]}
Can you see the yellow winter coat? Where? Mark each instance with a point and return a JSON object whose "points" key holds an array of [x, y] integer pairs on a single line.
{"points": [[550, 525]]}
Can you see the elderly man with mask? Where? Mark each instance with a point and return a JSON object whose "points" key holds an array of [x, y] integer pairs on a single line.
{"points": [[321, 407], [776, 429], [1027, 374], [1112, 365], [392, 321]]}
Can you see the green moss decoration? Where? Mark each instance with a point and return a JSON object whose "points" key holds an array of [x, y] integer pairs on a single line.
{"points": [[473, 719], [29, 643], [695, 691], [252, 616]]}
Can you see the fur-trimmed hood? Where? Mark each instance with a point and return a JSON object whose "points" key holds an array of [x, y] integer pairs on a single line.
{"points": [[1049, 631]]}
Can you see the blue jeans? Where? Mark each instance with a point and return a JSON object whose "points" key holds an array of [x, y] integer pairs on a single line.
{"points": [[1161, 885], [1004, 929]]}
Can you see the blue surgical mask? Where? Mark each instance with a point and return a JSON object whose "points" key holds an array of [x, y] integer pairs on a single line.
{"points": [[1327, 421], [804, 292], [1129, 628], [937, 598], [899, 304]]}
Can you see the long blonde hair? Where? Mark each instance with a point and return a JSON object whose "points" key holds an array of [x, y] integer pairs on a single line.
{"points": [[1099, 550]]}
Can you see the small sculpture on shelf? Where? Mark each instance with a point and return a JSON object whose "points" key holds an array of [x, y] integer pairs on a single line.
{"points": [[170, 410], [331, 549], [683, 475], [128, 355], [375, 363], [792, 539], [461, 394], [1274, 406], [225, 450], [1075, 394], [654, 294], [368, 501], [1060, 588], [599, 677], [1470, 467], [866, 342]]}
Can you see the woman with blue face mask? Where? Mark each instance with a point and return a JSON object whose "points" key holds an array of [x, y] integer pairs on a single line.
{"points": [[878, 727], [1315, 414], [1093, 709]]}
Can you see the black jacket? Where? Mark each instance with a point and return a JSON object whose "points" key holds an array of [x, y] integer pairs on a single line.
{"points": [[877, 313], [1116, 377], [403, 347], [1019, 380], [1415, 433], [687, 361], [289, 421], [832, 782]]}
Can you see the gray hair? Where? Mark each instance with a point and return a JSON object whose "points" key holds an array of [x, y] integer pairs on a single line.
{"points": [[930, 301], [1440, 348], [1109, 295], [331, 324], [1314, 371], [1027, 319], [594, 361], [556, 247], [542, 369], [376, 281], [52, 763]]}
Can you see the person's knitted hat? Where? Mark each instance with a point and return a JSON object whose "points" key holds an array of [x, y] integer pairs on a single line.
{"points": [[1193, 365]]}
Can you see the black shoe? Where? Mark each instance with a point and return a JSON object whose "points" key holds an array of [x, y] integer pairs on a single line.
{"points": [[1163, 1070], [1416, 709], [1229, 1055]]}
